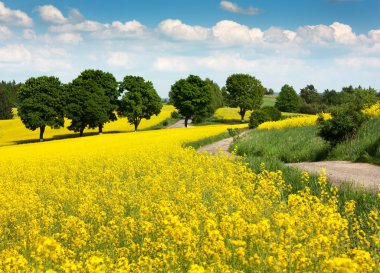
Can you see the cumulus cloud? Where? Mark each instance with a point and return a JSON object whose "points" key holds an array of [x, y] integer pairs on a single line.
{"points": [[15, 17], [118, 59], [178, 30], [277, 35], [70, 38], [5, 33], [14, 54], [51, 14], [343, 33], [231, 32], [359, 62], [29, 34], [85, 26], [232, 7]]}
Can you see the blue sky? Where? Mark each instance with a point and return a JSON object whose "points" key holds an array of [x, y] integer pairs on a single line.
{"points": [[328, 43]]}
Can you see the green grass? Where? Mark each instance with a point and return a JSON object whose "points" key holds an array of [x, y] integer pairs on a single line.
{"points": [[269, 100], [205, 141], [276, 147]]}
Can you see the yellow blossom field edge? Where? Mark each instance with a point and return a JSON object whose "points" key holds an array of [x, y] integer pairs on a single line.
{"points": [[302, 121], [13, 131], [138, 202]]}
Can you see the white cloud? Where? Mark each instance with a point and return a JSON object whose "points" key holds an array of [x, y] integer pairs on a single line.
{"points": [[119, 30], [230, 32], [85, 26], [16, 17], [29, 34], [374, 35], [343, 33], [69, 38], [5, 33], [171, 64], [51, 14], [319, 34], [277, 35], [75, 16], [14, 54], [129, 27], [118, 59], [178, 30], [232, 7], [359, 62], [52, 60]]}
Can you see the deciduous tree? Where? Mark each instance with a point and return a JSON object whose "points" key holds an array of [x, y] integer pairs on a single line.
{"points": [[41, 103], [245, 92], [140, 100], [287, 100]]}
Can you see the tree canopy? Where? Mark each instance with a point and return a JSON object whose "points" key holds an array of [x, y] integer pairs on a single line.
{"points": [[8, 98], [41, 103], [87, 102], [140, 100], [244, 91], [192, 97], [287, 100]]}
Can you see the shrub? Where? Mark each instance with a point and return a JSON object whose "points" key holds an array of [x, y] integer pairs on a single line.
{"points": [[273, 113], [257, 117], [175, 115], [344, 124]]}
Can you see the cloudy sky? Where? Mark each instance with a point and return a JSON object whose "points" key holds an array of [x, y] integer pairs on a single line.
{"points": [[328, 43]]}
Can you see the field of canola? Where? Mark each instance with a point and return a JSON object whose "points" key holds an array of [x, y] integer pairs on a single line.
{"points": [[138, 202], [13, 131]]}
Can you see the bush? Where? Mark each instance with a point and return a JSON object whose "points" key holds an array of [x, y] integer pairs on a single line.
{"points": [[273, 113], [175, 115], [257, 117], [344, 124]]}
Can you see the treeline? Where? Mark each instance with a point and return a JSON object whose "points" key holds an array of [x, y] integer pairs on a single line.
{"points": [[8, 98], [309, 101]]}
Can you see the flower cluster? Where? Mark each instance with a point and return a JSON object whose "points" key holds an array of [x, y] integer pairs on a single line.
{"points": [[373, 111], [138, 202]]}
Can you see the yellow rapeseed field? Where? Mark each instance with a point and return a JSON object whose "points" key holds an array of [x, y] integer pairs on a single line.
{"points": [[373, 111], [138, 202], [307, 120], [227, 113], [13, 131]]}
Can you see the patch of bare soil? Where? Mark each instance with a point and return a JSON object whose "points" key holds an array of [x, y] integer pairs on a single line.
{"points": [[361, 175]]}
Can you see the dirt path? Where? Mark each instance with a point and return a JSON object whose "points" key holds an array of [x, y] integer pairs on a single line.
{"points": [[360, 174], [219, 146], [180, 124]]}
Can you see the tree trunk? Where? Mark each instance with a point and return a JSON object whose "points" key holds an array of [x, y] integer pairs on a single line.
{"points": [[100, 129], [42, 131], [136, 123], [242, 114], [186, 119], [81, 131]]}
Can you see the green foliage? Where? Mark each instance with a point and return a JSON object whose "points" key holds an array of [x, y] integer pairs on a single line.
{"points": [[272, 112], [216, 95], [88, 101], [245, 92], [41, 102], [269, 92], [5, 106], [192, 97], [257, 117], [310, 95], [8, 98], [175, 115], [140, 101], [344, 124], [287, 100]]}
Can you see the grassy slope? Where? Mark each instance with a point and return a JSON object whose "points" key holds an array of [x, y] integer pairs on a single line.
{"points": [[274, 147]]}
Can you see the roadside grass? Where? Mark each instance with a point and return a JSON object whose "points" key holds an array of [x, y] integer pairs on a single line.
{"points": [[276, 147], [167, 122]]}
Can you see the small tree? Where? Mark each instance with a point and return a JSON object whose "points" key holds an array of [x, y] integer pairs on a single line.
{"points": [[87, 104], [287, 100], [257, 117], [140, 101], [41, 104], [310, 95], [245, 92], [192, 97], [345, 123]]}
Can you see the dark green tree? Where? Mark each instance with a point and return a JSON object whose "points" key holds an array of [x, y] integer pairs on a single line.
{"points": [[287, 100], [108, 83], [140, 100], [192, 97], [87, 104], [5, 105], [245, 92], [216, 95], [310, 95], [41, 102]]}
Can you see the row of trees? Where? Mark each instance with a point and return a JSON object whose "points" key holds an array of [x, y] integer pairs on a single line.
{"points": [[309, 101], [8, 98], [89, 101]]}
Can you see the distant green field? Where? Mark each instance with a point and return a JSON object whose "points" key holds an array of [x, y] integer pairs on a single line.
{"points": [[269, 101]]}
